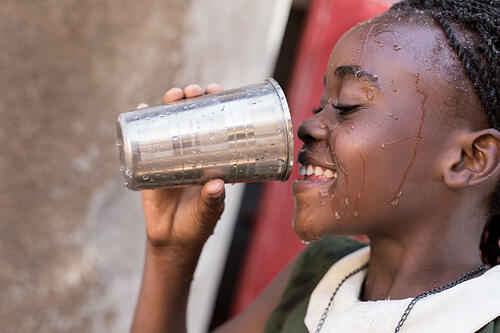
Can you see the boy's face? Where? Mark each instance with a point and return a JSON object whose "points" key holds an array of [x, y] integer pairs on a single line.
{"points": [[382, 130]]}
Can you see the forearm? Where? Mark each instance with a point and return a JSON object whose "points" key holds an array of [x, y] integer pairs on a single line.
{"points": [[165, 288]]}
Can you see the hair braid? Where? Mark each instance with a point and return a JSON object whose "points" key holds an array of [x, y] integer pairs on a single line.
{"points": [[479, 55]]}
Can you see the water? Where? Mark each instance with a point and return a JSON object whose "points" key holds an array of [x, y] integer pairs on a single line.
{"points": [[418, 136], [128, 172]]}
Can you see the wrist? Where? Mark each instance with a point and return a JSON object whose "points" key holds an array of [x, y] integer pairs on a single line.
{"points": [[173, 253]]}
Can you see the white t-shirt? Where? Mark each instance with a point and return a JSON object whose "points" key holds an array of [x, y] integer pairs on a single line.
{"points": [[467, 307]]}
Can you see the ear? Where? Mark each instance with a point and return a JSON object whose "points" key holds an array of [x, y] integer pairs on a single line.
{"points": [[474, 160]]}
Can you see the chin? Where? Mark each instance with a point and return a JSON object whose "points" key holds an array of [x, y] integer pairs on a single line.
{"points": [[306, 226]]}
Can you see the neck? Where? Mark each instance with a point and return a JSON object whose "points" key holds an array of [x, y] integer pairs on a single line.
{"points": [[407, 267]]}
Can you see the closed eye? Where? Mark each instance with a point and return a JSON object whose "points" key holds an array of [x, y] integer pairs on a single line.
{"points": [[345, 109]]}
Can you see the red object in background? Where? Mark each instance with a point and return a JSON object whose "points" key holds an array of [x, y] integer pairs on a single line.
{"points": [[273, 242]]}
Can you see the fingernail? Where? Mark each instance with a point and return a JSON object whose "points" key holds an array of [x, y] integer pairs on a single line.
{"points": [[215, 189]]}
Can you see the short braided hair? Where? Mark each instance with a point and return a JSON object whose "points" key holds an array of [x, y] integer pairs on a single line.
{"points": [[473, 31]]}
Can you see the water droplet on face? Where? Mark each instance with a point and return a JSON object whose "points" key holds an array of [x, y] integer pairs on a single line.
{"points": [[322, 125], [356, 213], [347, 202], [337, 215], [321, 203], [145, 177], [323, 192], [394, 202], [369, 95], [383, 146], [393, 116], [396, 47], [379, 44], [352, 126], [304, 242]]}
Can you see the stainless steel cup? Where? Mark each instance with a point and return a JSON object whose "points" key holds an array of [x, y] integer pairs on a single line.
{"points": [[240, 135]]}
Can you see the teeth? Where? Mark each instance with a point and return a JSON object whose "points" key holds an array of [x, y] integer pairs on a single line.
{"points": [[329, 173], [317, 170]]}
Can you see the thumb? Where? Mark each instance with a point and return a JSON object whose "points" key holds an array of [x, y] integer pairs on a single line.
{"points": [[211, 202]]}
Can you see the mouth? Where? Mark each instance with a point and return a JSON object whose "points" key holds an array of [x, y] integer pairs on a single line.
{"points": [[315, 173]]}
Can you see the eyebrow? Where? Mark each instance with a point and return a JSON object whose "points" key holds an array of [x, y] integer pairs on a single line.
{"points": [[356, 71]]}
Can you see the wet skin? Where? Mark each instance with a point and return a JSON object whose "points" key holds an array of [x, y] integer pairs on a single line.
{"points": [[388, 126]]}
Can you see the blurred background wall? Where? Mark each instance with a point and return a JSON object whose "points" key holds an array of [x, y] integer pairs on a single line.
{"points": [[71, 237]]}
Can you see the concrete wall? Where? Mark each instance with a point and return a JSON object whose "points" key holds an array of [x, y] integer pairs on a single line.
{"points": [[71, 237]]}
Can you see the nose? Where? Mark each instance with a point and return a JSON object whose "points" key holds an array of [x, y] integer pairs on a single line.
{"points": [[312, 129]]}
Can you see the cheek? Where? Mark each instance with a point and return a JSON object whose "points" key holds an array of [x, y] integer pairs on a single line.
{"points": [[366, 168]]}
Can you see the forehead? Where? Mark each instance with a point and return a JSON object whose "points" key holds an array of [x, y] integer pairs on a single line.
{"points": [[390, 44]]}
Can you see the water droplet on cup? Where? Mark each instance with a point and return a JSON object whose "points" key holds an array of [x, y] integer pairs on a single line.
{"points": [[337, 215], [128, 172]]}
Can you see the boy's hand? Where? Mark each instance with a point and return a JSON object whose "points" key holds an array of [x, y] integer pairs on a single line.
{"points": [[183, 218]]}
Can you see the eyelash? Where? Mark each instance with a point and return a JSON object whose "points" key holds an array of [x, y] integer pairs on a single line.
{"points": [[343, 109]]}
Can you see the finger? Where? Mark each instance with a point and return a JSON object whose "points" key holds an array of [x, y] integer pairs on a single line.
{"points": [[193, 90], [173, 95], [211, 202], [213, 88], [142, 106]]}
